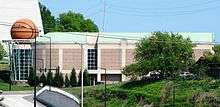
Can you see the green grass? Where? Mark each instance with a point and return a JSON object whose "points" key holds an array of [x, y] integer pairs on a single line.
{"points": [[21, 87], [129, 94]]}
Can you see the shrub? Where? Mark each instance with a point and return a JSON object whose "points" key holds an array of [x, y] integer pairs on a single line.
{"points": [[131, 71], [32, 78], [43, 79], [203, 99], [67, 81], [166, 92], [49, 78], [61, 80], [73, 81], [58, 79], [4, 76], [86, 78]]}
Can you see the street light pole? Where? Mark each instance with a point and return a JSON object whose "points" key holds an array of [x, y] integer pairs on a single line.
{"points": [[50, 58], [105, 86], [81, 74], [10, 67], [81, 45], [35, 69]]}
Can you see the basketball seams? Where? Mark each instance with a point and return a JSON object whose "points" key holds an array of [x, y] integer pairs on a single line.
{"points": [[26, 26]]}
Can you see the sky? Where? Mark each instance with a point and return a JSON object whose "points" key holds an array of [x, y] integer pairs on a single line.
{"points": [[145, 15]]}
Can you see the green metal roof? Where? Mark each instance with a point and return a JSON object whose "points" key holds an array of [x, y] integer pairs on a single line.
{"points": [[107, 37]]}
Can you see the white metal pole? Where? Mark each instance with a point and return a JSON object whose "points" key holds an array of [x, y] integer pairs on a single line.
{"points": [[81, 74]]}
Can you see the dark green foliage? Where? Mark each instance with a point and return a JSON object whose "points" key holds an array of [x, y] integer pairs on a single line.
{"points": [[58, 79], [67, 81], [73, 80], [75, 22], [86, 78], [48, 19], [61, 80], [4, 76], [66, 22], [132, 71], [43, 79], [32, 78], [2, 52], [49, 78]]}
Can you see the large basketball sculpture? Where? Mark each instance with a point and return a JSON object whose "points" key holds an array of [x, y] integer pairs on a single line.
{"points": [[24, 29]]}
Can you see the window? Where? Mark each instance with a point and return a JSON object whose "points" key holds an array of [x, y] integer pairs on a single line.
{"points": [[22, 61], [92, 59]]}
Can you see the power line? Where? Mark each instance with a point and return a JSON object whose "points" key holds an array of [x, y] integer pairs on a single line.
{"points": [[162, 15], [163, 9]]}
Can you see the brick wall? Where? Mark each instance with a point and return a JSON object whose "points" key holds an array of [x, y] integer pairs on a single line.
{"points": [[129, 56], [71, 58], [54, 58], [111, 59]]}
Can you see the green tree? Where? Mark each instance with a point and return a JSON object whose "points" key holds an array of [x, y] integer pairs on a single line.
{"points": [[32, 78], [49, 78], [2, 52], [48, 19], [58, 79], [75, 22], [67, 81], [86, 78], [43, 79], [132, 71], [165, 52], [73, 80]]}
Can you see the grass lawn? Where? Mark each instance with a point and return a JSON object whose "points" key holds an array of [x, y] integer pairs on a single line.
{"points": [[136, 94], [21, 87]]}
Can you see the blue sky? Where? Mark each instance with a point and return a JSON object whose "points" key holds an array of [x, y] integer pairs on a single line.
{"points": [[146, 15]]}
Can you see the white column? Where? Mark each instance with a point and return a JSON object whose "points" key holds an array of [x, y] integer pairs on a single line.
{"points": [[99, 65], [99, 77], [123, 56]]}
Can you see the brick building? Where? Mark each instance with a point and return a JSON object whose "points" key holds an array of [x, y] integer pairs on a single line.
{"points": [[114, 51]]}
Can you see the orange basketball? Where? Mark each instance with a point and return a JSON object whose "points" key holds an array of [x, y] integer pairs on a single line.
{"points": [[24, 29]]}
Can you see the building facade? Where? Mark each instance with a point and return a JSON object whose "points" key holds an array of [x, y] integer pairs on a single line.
{"points": [[114, 51]]}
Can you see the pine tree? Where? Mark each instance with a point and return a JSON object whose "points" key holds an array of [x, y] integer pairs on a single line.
{"points": [[73, 81], [56, 79], [60, 80], [43, 79], [67, 81], [86, 78], [49, 78], [32, 78]]}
